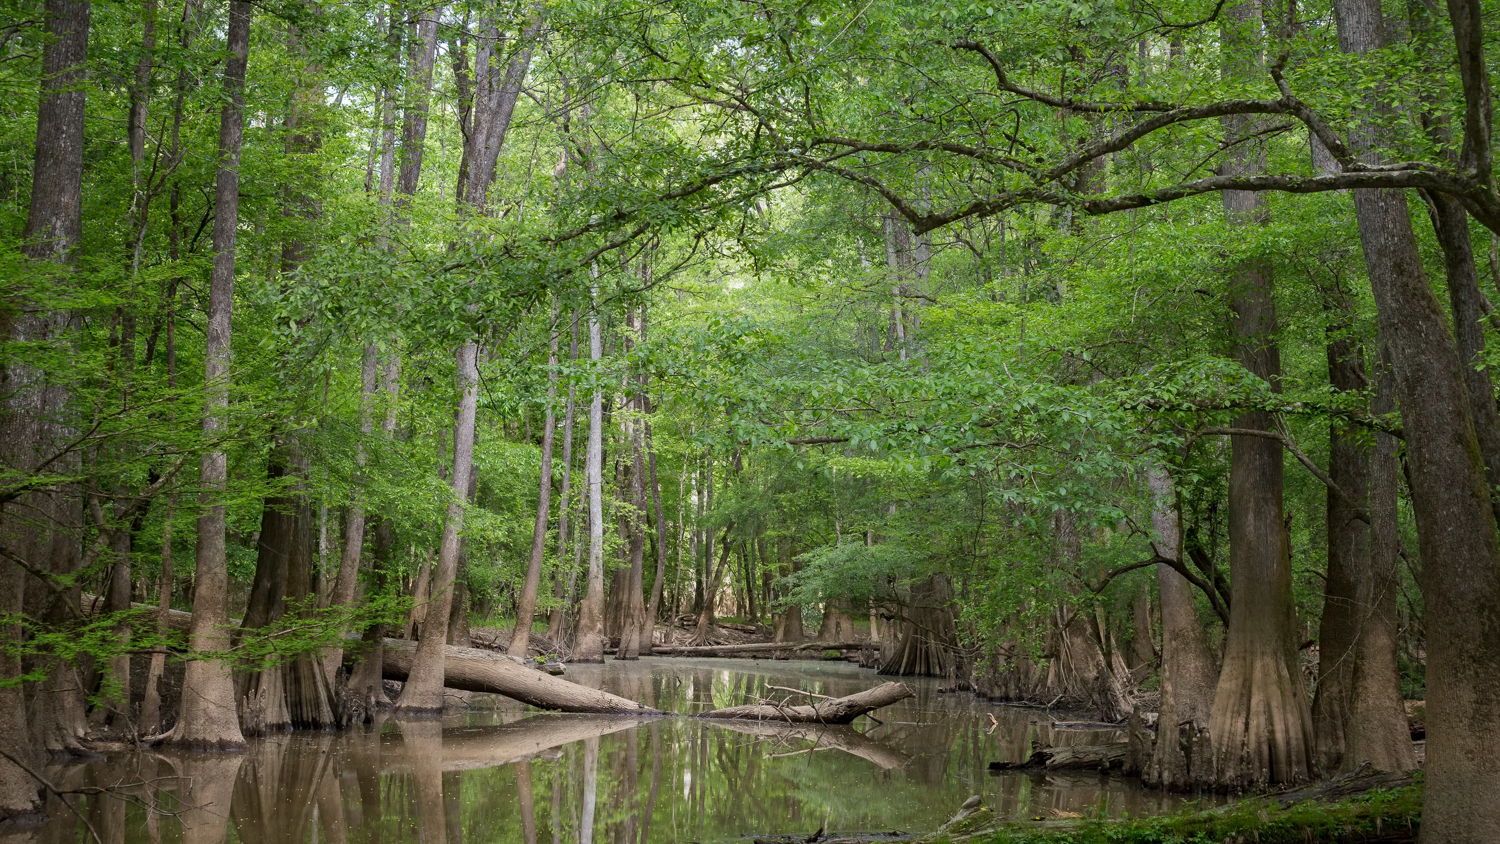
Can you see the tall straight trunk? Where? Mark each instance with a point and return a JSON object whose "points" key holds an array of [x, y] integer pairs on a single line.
{"points": [[208, 718], [1460, 576], [588, 641], [1181, 758], [423, 690], [1348, 543], [42, 527], [520, 637], [560, 581], [658, 581], [342, 594], [633, 515], [1261, 725], [367, 678], [1377, 731]]}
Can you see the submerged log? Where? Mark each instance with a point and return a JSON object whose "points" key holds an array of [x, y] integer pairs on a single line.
{"points": [[1094, 757], [842, 710], [474, 670]]}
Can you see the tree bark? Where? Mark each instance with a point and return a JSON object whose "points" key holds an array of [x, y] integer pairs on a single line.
{"points": [[1348, 544], [588, 641], [1181, 757], [423, 691], [1261, 725], [209, 719], [1450, 497], [520, 637], [474, 670], [562, 586]]}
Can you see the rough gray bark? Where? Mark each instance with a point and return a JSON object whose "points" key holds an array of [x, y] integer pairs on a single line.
{"points": [[1181, 757], [208, 718], [1261, 726], [1450, 498]]}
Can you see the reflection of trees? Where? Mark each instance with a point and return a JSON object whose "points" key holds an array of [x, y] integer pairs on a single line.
{"points": [[209, 788]]}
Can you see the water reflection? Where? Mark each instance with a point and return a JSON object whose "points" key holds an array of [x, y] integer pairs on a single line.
{"points": [[508, 774]]}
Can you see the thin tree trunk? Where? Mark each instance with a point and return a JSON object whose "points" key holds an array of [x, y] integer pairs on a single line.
{"points": [[520, 637], [423, 690], [561, 587]]}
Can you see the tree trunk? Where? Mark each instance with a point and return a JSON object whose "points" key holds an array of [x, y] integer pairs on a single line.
{"points": [[1261, 726], [1450, 497], [588, 641], [1377, 730], [520, 637], [209, 718], [562, 586], [475, 670], [928, 638], [1348, 544], [711, 590], [1181, 758], [423, 690]]}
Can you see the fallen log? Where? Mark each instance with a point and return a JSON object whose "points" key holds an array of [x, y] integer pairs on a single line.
{"points": [[755, 647], [474, 670], [841, 710], [1094, 757]]}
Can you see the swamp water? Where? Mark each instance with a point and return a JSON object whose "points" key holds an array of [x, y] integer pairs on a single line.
{"points": [[503, 773]]}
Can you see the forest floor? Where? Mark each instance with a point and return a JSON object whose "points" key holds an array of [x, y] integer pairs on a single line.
{"points": [[1362, 807]]}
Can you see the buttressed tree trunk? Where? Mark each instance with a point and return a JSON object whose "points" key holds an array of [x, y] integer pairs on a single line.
{"points": [[1181, 757], [1261, 726], [1450, 497], [209, 718]]}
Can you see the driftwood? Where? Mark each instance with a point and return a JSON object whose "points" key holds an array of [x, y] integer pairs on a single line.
{"points": [[755, 647], [836, 737], [842, 710], [1095, 757]]}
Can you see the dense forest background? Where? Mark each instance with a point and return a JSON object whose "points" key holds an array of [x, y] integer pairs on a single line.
{"points": [[1129, 355]]}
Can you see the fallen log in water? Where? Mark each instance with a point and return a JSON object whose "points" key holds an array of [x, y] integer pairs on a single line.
{"points": [[755, 647], [474, 670], [1095, 757], [841, 710]]}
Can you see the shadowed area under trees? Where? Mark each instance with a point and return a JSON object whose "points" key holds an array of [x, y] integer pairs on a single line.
{"points": [[1132, 360]]}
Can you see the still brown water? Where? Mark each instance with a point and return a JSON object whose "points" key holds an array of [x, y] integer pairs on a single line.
{"points": [[504, 773]]}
